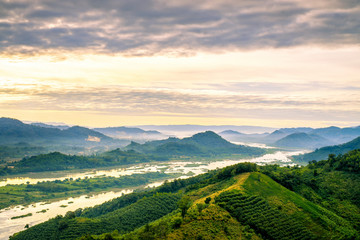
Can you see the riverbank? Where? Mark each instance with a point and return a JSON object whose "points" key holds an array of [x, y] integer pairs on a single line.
{"points": [[25, 194]]}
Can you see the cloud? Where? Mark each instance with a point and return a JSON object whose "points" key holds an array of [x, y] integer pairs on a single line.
{"points": [[122, 101], [148, 27]]}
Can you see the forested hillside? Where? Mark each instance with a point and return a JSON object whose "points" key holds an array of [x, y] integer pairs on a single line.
{"points": [[319, 201], [323, 152]]}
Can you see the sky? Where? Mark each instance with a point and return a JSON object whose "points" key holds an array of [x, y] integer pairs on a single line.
{"points": [[279, 63]]}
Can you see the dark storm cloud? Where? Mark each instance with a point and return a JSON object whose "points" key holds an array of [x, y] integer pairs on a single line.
{"points": [[156, 26]]}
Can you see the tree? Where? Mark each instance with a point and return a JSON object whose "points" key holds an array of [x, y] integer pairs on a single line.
{"points": [[184, 204]]}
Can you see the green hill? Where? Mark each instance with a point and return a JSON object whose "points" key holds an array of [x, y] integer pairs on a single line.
{"points": [[13, 131], [243, 201], [57, 161], [322, 153], [302, 140], [201, 144]]}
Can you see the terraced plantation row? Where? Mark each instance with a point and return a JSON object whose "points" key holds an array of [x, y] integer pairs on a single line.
{"points": [[254, 211]]}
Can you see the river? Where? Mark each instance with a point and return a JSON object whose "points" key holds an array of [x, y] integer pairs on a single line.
{"points": [[42, 212]]}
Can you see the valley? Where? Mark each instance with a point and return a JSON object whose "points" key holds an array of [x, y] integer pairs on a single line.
{"points": [[173, 169], [49, 185]]}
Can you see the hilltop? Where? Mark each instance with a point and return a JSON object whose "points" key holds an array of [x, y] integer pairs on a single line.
{"points": [[302, 140], [201, 144], [136, 134]]}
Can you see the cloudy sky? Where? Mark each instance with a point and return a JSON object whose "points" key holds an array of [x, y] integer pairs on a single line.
{"points": [[114, 62]]}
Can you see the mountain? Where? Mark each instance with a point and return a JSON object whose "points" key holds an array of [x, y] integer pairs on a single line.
{"points": [[243, 201], [338, 135], [188, 130], [15, 130], [323, 153], [302, 140], [275, 136], [84, 133], [231, 132], [296, 130], [39, 124], [203, 144], [70, 140], [136, 134], [236, 136]]}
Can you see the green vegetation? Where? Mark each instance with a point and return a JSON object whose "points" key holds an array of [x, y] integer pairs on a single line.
{"points": [[22, 216], [323, 152], [243, 201], [123, 220], [333, 183], [261, 216], [27, 193], [58, 161], [17, 151], [203, 145]]}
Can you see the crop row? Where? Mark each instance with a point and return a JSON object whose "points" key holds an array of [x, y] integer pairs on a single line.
{"points": [[265, 219]]}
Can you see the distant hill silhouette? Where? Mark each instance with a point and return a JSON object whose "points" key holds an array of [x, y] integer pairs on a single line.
{"points": [[323, 153], [12, 130], [302, 140], [204, 143]]}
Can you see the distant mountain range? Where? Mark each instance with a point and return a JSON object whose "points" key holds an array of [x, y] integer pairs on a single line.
{"points": [[12, 130], [74, 140], [203, 144], [39, 124], [190, 129], [323, 153], [308, 138], [303, 140], [136, 134]]}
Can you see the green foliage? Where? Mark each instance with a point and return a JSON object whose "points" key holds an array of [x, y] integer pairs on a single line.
{"points": [[184, 204], [22, 216], [123, 219], [329, 193], [27, 193], [19, 150], [258, 214], [58, 161], [260, 207], [322, 153]]}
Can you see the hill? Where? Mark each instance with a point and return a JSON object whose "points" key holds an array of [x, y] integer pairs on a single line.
{"points": [[243, 201], [302, 140], [236, 136], [12, 130], [230, 132], [57, 161], [39, 124], [201, 144], [136, 134], [73, 140], [322, 153], [338, 135]]}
